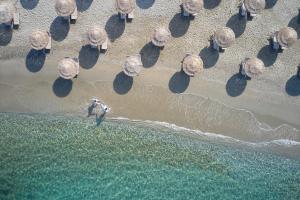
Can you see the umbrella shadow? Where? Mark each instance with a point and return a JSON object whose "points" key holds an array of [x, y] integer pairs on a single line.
{"points": [[145, 4], [268, 55], [237, 24], [62, 87], [88, 56], [236, 85], [114, 27], [209, 57], [149, 55], [35, 60], [122, 83], [5, 35], [179, 25], [59, 29], [270, 3], [29, 4], [211, 4], [83, 5], [179, 82], [295, 24], [292, 86]]}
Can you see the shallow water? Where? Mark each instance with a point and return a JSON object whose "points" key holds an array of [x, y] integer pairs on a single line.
{"points": [[59, 157]]}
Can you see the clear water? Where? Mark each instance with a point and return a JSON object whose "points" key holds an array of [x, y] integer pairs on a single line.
{"points": [[55, 157]]}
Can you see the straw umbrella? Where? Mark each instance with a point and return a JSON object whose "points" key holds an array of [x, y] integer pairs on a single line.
{"points": [[6, 13], [65, 8], [192, 7], [252, 67], [254, 6], [124, 6], [286, 37], [224, 37], [39, 39], [68, 68], [133, 65], [160, 36], [96, 36], [192, 64]]}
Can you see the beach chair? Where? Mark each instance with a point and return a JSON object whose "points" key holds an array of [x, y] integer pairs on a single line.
{"points": [[104, 45], [16, 20], [49, 45], [122, 16], [131, 15], [74, 16]]}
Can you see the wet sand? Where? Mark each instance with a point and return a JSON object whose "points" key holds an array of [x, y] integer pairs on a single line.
{"points": [[218, 100]]}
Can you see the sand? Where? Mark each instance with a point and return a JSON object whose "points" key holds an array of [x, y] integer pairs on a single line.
{"points": [[218, 100]]}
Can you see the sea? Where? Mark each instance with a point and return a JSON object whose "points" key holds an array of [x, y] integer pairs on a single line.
{"points": [[47, 156]]}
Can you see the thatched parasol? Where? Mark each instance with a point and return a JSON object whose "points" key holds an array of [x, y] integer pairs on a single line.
{"points": [[65, 8], [286, 37], [133, 65], [160, 36], [96, 36], [192, 64], [68, 68], [6, 13], [252, 67], [39, 39], [254, 6], [224, 37], [192, 6], [125, 6]]}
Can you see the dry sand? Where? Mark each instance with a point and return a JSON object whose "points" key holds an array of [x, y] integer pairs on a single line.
{"points": [[217, 100]]}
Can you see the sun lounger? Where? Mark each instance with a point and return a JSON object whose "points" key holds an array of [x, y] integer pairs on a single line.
{"points": [[49, 45], [16, 20], [131, 15], [104, 45]]}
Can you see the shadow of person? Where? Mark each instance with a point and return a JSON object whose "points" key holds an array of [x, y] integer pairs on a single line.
{"points": [[179, 82], [179, 25], [149, 55], [29, 4], [35, 60], [236, 85], [295, 24], [88, 56], [209, 57], [83, 5], [122, 83], [114, 27], [62, 87], [211, 4], [5, 35], [292, 86], [237, 24], [100, 119], [268, 55], [59, 29], [270, 4], [145, 4]]}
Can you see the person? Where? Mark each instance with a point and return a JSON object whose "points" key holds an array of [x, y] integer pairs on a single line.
{"points": [[104, 108]]}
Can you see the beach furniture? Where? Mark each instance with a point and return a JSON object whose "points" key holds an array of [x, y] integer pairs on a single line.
{"points": [[40, 40], [160, 36], [9, 15], [252, 67], [284, 38], [223, 38], [298, 71], [68, 68], [252, 7], [66, 9], [191, 7], [192, 64], [133, 65], [97, 37], [125, 8]]}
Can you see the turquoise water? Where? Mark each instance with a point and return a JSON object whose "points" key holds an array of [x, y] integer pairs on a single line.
{"points": [[55, 157]]}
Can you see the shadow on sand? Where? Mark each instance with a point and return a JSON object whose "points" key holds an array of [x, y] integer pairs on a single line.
{"points": [[237, 24], [179, 25], [179, 82], [268, 55], [29, 4], [145, 4], [292, 86], [211, 4], [83, 5], [209, 57], [114, 27], [59, 29], [62, 87], [88, 56], [35, 60], [122, 83], [270, 3], [5, 35], [236, 85], [149, 55]]}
